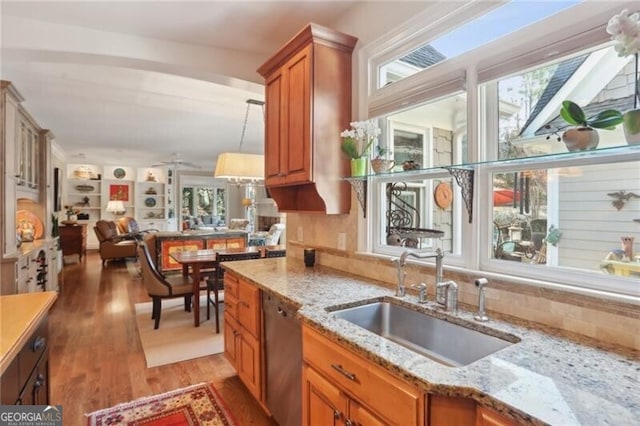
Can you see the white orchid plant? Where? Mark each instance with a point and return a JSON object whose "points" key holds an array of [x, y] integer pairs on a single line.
{"points": [[358, 140], [624, 29]]}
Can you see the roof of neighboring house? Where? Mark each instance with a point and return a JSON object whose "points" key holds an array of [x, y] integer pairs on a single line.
{"points": [[621, 104], [562, 74], [423, 57]]}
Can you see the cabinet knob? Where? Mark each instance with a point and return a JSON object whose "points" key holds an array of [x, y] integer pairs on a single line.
{"points": [[337, 414], [39, 343], [349, 422]]}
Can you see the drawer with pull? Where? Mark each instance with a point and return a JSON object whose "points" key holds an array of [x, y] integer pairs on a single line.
{"points": [[361, 379]]}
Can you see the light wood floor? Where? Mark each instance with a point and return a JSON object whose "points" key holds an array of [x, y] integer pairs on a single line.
{"points": [[96, 359]]}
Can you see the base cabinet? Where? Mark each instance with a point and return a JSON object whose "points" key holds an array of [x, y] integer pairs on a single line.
{"points": [[242, 337], [444, 411], [340, 387], [26, 380]]}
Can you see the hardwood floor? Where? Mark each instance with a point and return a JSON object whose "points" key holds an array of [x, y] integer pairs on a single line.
{"points": [[96, 358]]}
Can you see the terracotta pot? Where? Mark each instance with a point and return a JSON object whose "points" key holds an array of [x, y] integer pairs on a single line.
{"points": [[631, 126], [581, 138]]}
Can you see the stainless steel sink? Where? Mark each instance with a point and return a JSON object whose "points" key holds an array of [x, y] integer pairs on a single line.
{"points": [[448, 343]]}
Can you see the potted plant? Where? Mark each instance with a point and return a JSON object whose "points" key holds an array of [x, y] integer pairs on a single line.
{"points": [[624, 29], [380, 164], [583, 134], [357, 142]]}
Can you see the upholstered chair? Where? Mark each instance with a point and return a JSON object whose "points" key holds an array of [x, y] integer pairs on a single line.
{"points": [[273, 236], [160, 287], [128, 225], [113, 245]]}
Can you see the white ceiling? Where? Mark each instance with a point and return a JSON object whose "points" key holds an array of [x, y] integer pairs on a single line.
{"points": [[132, 83]]}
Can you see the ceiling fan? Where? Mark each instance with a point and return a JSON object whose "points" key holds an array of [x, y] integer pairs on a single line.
{"points": [[176, 163]]}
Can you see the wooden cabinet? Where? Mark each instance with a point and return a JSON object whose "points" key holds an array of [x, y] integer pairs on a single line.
{"points": [[356, 391], [26, 379], [445, 410], [308, 104], [9, 101], [30, 270], [242, 331], [73, 240]]}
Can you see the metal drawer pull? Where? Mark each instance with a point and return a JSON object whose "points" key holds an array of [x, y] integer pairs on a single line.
{"points": [[344, 372]]}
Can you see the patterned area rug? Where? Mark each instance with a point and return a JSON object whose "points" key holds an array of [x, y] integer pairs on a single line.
{"points": [[194, 405]]}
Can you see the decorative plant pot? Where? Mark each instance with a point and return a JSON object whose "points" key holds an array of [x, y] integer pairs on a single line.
{"points": [[581, 138], [631, 126], [381, 166], [358, 167]]}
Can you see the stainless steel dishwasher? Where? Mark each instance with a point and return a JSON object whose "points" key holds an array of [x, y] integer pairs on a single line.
{"points": [[283, 353]]}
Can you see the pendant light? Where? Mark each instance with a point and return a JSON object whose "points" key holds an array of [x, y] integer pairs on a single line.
{"points": [[239, 166]]}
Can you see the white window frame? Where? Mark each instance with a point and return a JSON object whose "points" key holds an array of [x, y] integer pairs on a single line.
{"points": [[565, 33]]}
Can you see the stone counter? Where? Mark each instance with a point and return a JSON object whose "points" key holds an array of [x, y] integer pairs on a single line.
{"points": [[543, 379], [20, 314]]}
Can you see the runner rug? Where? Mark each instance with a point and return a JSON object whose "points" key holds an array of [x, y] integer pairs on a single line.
{"points": [[177, 339], [194, 405]]}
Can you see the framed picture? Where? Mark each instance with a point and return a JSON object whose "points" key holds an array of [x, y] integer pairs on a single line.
{"points": [[119, 192]]}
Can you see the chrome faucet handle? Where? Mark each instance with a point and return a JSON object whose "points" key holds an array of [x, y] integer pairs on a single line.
{"points": [[400, 290], [422, 292], [481, 283], [450, 298]]}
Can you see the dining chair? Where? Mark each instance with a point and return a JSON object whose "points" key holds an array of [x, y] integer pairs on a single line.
{"points": [[273, 252], [217, 283], [160, 287]]}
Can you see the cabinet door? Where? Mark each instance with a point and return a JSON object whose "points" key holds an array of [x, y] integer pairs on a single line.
{"points": [[444, 411], [231, 337], [248, 363], [487, 417], [360, 416], [275, 156], [322, 402], [297, 155]]}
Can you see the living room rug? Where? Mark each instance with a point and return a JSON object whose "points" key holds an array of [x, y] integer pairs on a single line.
{"points": [[194, 405], [177, 339]]}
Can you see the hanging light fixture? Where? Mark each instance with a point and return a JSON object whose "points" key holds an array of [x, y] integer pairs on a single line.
{"points": [[238, 166]]}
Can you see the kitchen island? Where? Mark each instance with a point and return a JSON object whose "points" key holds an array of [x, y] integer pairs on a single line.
{"points": [[544, 378]]}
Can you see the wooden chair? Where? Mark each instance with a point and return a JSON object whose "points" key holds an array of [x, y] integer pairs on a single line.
{"points": [[160, 287], [217, 283], [275, 252]]}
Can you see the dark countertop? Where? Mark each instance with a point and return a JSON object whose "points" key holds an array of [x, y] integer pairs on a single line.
{"points": [[543, 379]]}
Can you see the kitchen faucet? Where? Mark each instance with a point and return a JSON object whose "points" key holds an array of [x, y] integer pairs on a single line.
{"points": [[401, 261], [446, 292]]}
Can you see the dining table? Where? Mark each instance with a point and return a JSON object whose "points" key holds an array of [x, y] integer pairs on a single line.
{"points": [[197, 261]]}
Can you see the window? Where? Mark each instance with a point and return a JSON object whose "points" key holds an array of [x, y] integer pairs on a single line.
{"points": [[539, 212], [488, 26], [205, 203]]}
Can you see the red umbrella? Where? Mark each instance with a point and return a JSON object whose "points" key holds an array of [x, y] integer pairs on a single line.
{"points": [[504, 197]]}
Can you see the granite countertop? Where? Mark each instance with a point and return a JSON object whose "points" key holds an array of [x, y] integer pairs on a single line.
{"points": [[543, 379], [20, 315]]}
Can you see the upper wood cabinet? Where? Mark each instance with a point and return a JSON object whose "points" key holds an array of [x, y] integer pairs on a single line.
{"points": [[308, 104]]}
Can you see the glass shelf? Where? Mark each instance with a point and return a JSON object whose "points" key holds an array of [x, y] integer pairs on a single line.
{"points": [[464, 173]]}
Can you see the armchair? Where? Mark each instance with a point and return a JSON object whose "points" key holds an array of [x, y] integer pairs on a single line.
{"points": [[273, 236], [112, 245], [128, 225]]}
